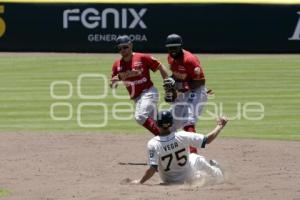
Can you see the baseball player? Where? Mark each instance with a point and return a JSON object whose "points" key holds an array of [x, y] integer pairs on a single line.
{"points": [[185, 89], [133, 69], [168, 153]]}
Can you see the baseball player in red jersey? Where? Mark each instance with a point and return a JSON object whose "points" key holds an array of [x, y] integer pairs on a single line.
{"points": [[187, 83], [133, 69]]}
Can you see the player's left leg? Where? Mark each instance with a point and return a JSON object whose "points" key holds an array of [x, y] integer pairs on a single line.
{"points": [[146, 109]]}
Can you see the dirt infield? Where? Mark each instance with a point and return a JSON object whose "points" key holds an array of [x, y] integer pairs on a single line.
{"points": [[85, 166]]}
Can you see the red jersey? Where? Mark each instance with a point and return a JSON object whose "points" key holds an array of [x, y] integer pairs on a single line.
{"points": [[186, 68], [135, 73]]}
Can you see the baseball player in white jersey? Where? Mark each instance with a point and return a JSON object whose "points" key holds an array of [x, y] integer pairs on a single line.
{"points": [[169, 154]]}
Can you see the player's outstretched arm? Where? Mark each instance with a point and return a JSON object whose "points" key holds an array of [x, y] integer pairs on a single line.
{"points": [[163, 71], [148, 174], [221, 123]]}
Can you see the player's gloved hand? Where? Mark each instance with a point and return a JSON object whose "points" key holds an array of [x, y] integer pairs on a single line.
{"points": [[169, 83]]}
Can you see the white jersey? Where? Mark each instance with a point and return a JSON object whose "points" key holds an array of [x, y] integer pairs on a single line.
{"points": [[171, 154]]}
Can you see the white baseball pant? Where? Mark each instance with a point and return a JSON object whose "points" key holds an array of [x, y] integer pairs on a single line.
{"points": [[146, 105], [188, 107], [198, 163]]}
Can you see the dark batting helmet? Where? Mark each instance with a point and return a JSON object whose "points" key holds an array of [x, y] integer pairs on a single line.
{"points": [[123, 40], [164, 119], [174, 40]]}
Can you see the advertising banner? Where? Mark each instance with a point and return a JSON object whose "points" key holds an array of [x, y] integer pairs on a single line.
{"points": [[224, 28]]}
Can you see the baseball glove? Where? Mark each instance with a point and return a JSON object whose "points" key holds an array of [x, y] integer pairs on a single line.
{"points": [[169, 83]]}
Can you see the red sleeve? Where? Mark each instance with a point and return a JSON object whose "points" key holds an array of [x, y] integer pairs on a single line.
{"points": [[195, 71], [151, 62], [115, 68]]}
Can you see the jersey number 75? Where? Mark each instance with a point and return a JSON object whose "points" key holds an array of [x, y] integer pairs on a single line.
{"points": [[181, 159]]}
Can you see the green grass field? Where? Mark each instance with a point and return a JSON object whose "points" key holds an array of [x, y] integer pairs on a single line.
{"points": [[4, 192], [272, 80]]}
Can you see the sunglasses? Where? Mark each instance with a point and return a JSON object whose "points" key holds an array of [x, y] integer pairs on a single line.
{"points": [[122, 47], [173, 48]]}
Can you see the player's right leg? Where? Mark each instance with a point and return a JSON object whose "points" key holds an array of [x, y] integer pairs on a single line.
{"points": [[179, 111], [199, 163], [196, 101], [146, 109]]}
